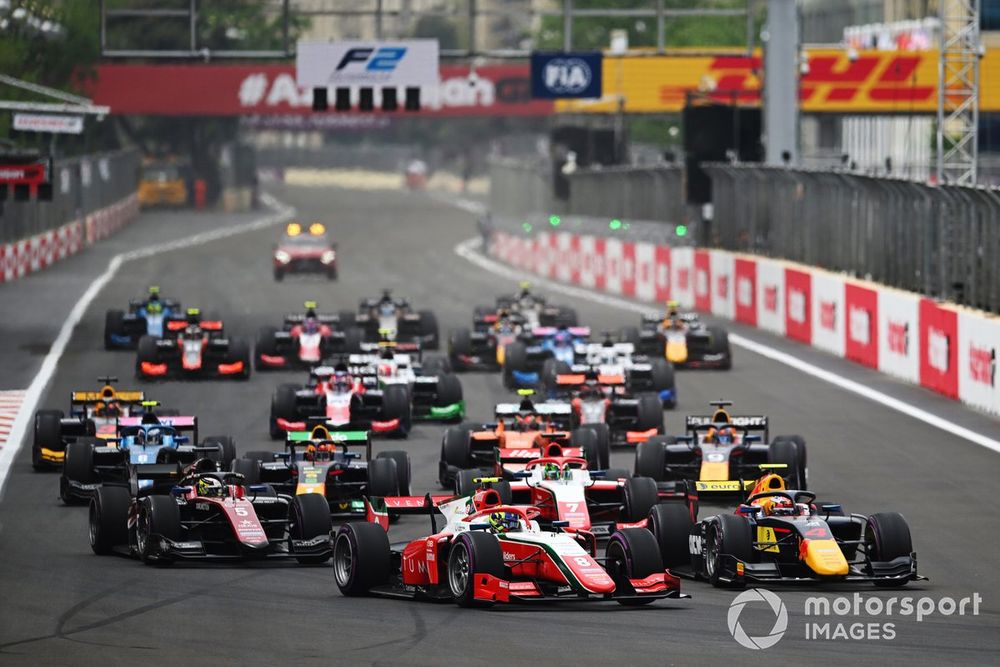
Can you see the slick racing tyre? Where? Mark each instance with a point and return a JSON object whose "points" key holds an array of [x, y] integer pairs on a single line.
{"points": [[109, 519], [887, 537], [48, 434], [361, 558], [227, 448], [396, 405], [473, 553], [382, 478], [249, 468], [649, 413], [114, 325], [456, 452], [402, 460], [284, 405], [671, 525], [632, 554], [651, 459], [309, 518], [78, 466], [728, 535], [785, 452], [459, 346], [640, 495], [159, 516]]}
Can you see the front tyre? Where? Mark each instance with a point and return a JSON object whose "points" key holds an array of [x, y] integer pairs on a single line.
{"points": [[632, 554], [361, 558], [472, 555]]}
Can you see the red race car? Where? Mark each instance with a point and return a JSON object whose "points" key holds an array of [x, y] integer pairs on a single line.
{"points": [[193, 348], [305, 250]]}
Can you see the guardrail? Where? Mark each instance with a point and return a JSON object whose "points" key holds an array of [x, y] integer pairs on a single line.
{"points": [[80, 186], [941, 241]]}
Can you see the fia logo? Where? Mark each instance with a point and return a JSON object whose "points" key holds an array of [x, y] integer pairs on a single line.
{"points": [[385, 59], [567, 76]]}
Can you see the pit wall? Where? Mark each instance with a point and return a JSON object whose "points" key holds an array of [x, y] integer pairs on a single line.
{"points": [[950, 350], [19, 258]]}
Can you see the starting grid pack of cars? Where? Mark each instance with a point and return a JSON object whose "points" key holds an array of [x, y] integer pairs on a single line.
{"points": [[530, 508]]}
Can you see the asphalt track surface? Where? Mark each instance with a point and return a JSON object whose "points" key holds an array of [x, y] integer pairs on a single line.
{"points": [[60, 604]]}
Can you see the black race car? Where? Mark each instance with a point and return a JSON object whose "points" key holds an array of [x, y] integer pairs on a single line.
{"points": [[306, 339], [342, 402], [326, 462], [720, 450], [210, 514], [781, 535], [193, 348], [682, 339], [392, 318]]}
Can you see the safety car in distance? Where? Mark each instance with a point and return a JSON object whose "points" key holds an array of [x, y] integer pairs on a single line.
{"points": [[210, 514], [193, 348], [719, 451], [486, 552], [340, 401], [682, 339], [144, 317], [305, 250], [337, 465], [147, 453], [394, 318], [781, 535], [93, 417], [305, 340]]}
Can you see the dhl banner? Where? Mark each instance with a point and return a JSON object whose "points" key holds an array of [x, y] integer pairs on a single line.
{"points": [[872, 82]]}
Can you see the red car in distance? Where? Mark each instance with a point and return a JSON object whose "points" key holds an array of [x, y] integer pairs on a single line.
{"points": [[305, 250]]}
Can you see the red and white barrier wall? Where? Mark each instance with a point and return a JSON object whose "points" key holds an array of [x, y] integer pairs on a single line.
{"points": [[32, 254], [948, 349]]}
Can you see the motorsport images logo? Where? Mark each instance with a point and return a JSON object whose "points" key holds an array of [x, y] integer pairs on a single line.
{"points": [[777, 609]]}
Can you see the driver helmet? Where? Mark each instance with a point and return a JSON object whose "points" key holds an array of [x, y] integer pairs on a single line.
{"points": [[550, 472], [154, 307], [781, 505], [310, 453], [209, 487], [192, 331], [501, 522], [341, 381], [140, 437], [722, 436], [324, 451], [563, 339], [673, 308], [310, 325]]}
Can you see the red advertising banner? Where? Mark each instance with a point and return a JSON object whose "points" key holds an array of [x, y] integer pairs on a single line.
{"points": [[860, 332], [662, 273], [798, 297], [745, 276], [938, 348], [702, 281], [270, 89]]}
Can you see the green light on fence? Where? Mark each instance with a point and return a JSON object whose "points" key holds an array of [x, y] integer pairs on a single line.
{"points": [[615, 224], [682, 230], [554, 220], [526, 226]]}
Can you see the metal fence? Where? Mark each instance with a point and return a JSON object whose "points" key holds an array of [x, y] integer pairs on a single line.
{"points": [[79, 186], [940, 241], [653, 193]]}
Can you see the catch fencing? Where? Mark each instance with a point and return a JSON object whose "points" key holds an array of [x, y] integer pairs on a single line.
{"points": [[654, 193], [80, 186], [941, 241]]}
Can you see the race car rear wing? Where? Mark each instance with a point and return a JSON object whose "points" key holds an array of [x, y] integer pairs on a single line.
{"points": [[377, 509], [90, 397], [544, 409], [747, 422], [320, 434]]}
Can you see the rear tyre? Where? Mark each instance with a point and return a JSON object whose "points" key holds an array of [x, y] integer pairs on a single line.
{"points": [[649, 413], [361, 558], [382, 478], [459, 345], [455, 452], [353, 337], [449, 391], [266, 345], [396, 405], [147, 352], [663, 379], [515, 359], [465, 484], [430, 338], [671, 525], [632, 554], [594, 444], [48, 434], [551, 369], [114, 325], [887, 536], [79, 467], [402, 460], [309, 518], [640, 495], [800, 445], [786, 453], [651, 459], [347, 319], [109, 519], [435, 364], [239, 351], [249, 468], [284, 406], [473, 554], [227, 448], [279, 275], [720, 345], [159, 516], [728, 535]]}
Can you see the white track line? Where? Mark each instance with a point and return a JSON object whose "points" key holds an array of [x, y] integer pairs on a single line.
{"points": [[38, 385], [468, 251]]}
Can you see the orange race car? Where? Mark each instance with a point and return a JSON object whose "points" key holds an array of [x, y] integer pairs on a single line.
{"points": [[522, 432]]}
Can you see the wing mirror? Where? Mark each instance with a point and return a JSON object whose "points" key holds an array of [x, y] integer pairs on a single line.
{"points": [[180, 491], [257, 488], [749, 510], [562, 523]]}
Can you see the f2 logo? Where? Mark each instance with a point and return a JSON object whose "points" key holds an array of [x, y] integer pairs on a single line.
{"points": [[384, 60]]}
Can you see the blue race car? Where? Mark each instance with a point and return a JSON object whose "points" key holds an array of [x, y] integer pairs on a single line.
{"points": [[525, 363], [147, 454], [145, 317]]}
